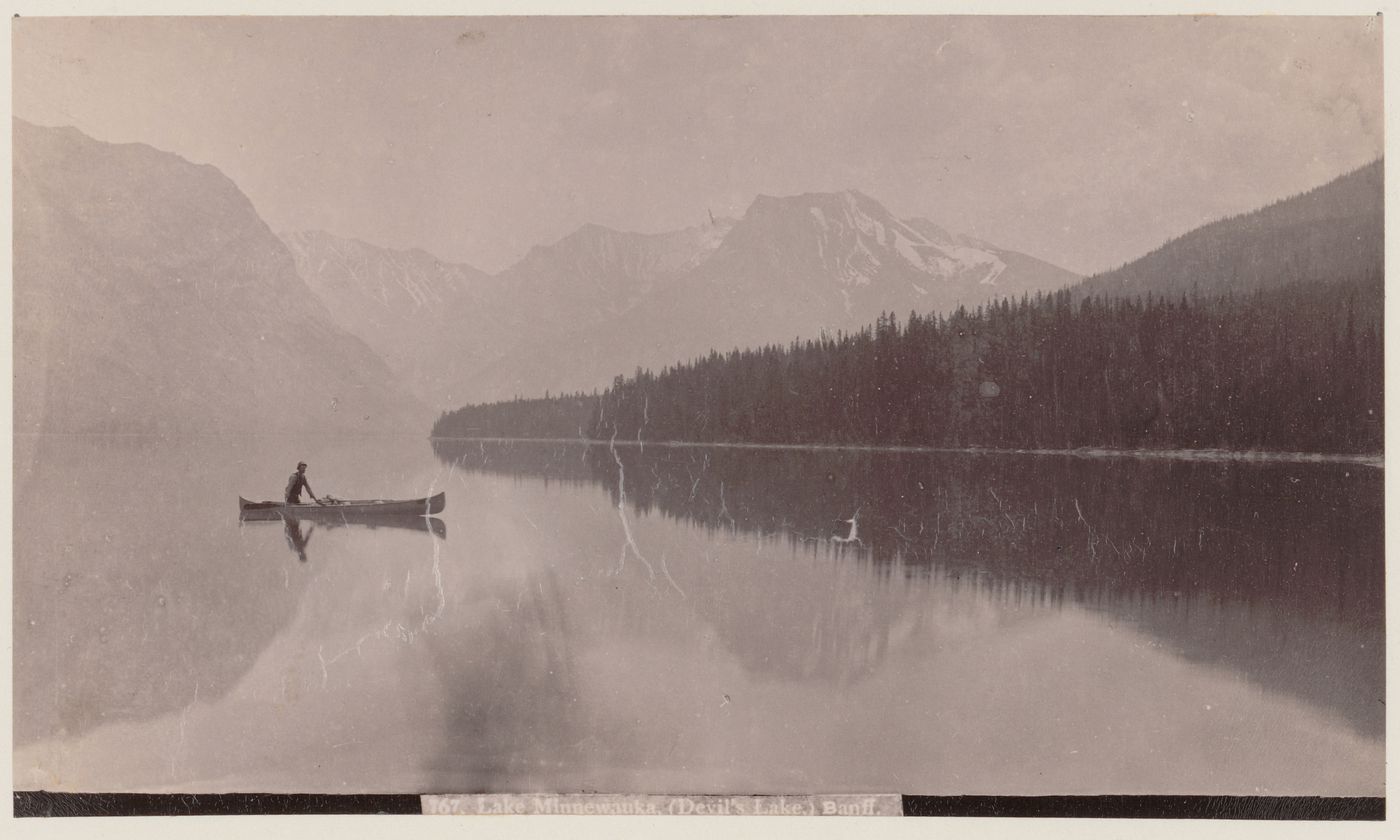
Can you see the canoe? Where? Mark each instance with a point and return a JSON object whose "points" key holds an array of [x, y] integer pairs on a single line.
{"points": [[346, 508]]}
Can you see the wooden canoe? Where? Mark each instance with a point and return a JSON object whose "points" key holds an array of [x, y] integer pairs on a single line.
{"points": [[346, 508]]}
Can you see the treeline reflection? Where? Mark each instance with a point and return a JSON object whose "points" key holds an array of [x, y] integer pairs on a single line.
{"points": [[1305, 535], [1272, 570]]}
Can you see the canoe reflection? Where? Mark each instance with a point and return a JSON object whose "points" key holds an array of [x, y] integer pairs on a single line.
{"points": [[299, 530]]}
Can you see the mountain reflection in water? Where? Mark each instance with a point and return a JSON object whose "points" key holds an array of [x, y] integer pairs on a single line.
{"points": [[697, 619], [1272, 570]]}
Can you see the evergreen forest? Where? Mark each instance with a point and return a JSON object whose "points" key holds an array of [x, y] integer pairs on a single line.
{"points": [[1294, 368]]}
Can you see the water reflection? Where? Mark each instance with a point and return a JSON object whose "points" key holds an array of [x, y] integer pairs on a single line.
{"points": [[297, 539], [1273, 571], [154, 599], [1308, 535], [511, 705], [299, 530], [701, 620]]}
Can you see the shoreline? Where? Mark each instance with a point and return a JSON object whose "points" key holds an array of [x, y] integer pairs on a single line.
{"points": [[1376, 461]]}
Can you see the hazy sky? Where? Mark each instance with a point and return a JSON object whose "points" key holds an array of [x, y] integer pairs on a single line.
{"points": [[1084, 141]]}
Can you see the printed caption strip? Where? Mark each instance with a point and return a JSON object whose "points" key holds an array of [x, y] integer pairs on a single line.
{"points": [[841, 805]]}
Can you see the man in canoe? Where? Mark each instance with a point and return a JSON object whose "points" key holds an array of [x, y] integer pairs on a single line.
{"points": [[296, 483]]}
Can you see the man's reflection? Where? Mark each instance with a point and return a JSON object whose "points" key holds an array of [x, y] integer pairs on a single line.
{"points": [[296, 538]]}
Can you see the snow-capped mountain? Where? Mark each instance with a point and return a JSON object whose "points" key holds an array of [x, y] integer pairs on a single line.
{"points": [[149, 296], [599, 302], [791, 268], [851, 238], [848, 247]]}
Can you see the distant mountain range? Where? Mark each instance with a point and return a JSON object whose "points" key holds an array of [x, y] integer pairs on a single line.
{"points": [[599, 302], [441, 325], [408, 306], [797, 267], [1276, 345], [150, 297]]}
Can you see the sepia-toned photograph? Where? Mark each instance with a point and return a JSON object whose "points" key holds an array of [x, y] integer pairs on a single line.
{"points": [[703, 407]]}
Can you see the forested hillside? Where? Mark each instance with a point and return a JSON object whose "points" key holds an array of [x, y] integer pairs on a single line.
{"points": [[1261, 331], [1335, 230], [1298, 368]]}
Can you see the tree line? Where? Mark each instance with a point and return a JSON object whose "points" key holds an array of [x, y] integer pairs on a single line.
{"points": [[1297, 367]]}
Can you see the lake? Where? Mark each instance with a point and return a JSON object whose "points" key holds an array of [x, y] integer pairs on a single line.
{"points": [[695, 619]]}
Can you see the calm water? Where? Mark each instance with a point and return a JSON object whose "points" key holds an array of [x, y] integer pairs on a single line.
{"points": [[695, 619]]}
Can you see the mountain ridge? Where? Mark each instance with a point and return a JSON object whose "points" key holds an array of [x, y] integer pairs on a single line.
{"points": [[150, 297], [570, 314], [1336, 228]]}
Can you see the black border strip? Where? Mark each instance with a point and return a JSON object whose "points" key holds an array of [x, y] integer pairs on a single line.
{"points": [[1330, 808], [39, 803], [1151, 807]]}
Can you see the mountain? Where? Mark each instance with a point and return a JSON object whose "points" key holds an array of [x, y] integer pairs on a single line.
{"points": [[444, 327], [600, 302], [847, 249], [569, 306], [835, 261], [1334, 231], [150, 297], [563, 302], [408, 306], [597, 273], [791, 267]]}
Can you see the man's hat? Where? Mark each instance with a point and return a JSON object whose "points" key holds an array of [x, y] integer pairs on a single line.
{"points": [[301, 463]]}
